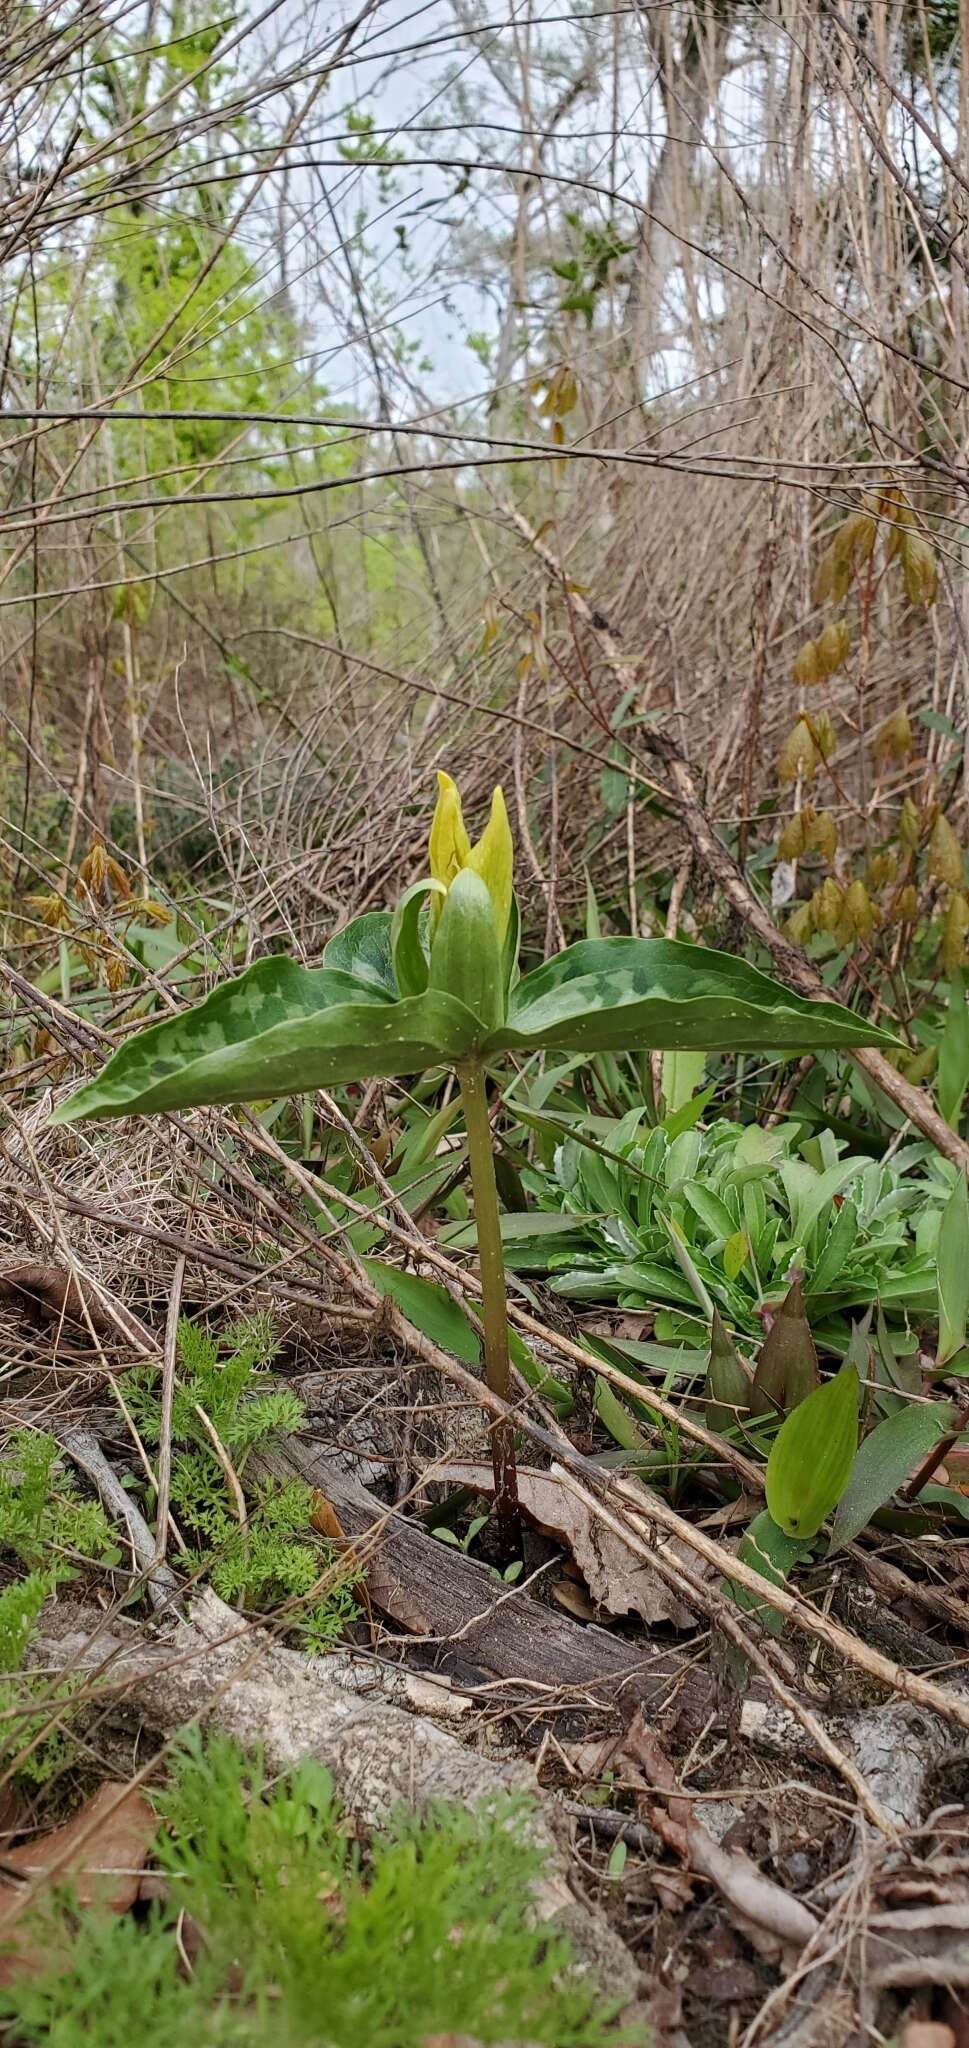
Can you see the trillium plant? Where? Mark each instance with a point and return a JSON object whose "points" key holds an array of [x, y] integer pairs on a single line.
{"points": [[436, 983]]}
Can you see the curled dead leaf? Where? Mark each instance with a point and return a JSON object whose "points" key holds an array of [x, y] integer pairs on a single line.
{"points": [[617, 1579]]}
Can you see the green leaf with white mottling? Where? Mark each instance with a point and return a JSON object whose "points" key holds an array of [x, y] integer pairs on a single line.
{"points": [[278, 1029], [604, 995], [363, 949]]}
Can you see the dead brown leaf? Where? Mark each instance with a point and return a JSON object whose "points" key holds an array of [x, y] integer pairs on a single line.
{"points": [[617, 1579], [57, 1295], [100, 1854]]}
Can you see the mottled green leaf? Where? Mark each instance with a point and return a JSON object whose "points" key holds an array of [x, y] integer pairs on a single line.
{"points": [[278, 1029], [603, 995], [363, 949], [410, 961], [768, 1550]]}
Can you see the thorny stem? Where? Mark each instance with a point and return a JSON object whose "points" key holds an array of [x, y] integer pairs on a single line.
{"points": [[494, 1317]]}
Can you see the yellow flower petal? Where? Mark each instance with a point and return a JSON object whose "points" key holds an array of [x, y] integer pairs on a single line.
{"points": [[493, 859], [449, 846]]}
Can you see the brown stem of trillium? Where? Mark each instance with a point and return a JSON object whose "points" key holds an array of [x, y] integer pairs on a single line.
{"points": [[494, 1318]]}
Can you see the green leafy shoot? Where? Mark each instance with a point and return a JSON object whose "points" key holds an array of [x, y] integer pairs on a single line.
{"points": [[953, 1273], [273, 1557], [298, 1934], [812, 1456]]}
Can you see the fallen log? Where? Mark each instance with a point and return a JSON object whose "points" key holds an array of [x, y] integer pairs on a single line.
{"points": [[480, 1627]]}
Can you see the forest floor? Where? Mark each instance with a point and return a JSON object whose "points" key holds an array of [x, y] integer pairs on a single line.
{"points": [[749, 1840]]}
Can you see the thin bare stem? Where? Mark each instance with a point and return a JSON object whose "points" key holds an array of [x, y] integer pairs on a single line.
{"points": [[494, 1317]]}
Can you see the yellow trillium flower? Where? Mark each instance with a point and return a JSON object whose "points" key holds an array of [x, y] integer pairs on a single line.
{"points": [[492, 857]]}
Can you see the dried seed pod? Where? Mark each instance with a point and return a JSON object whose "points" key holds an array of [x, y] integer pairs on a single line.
{"points": [[799, 755], [824, 836], [834, 645], [860, 915], [920, 573], [945, 862], [807, 666], [955, 925], [909, 826], [800, 924], [787, 1368], [93, 872], [906, 905]]}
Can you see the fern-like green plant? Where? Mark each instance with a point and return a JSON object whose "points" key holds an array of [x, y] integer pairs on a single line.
{"points": [[303, 1942], [272, 1557], [46, 1526]]}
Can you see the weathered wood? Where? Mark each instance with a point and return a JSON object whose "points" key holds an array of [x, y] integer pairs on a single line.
{"points": [[482, 1628]]}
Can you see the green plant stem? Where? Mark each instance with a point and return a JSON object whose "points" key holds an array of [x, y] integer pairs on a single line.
{"points": [[491, 1263]]}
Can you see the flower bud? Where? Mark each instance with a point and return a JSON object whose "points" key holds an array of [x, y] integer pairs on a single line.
{"points": [[798, 755], [823, 838], [945, 862], [955, 925], [907, 904], [834, 645], [909, 826], [787, 1368]]}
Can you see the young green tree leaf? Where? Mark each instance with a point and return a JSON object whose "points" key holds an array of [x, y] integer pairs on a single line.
{"points": [[812, 1456], [953, 1272]]}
